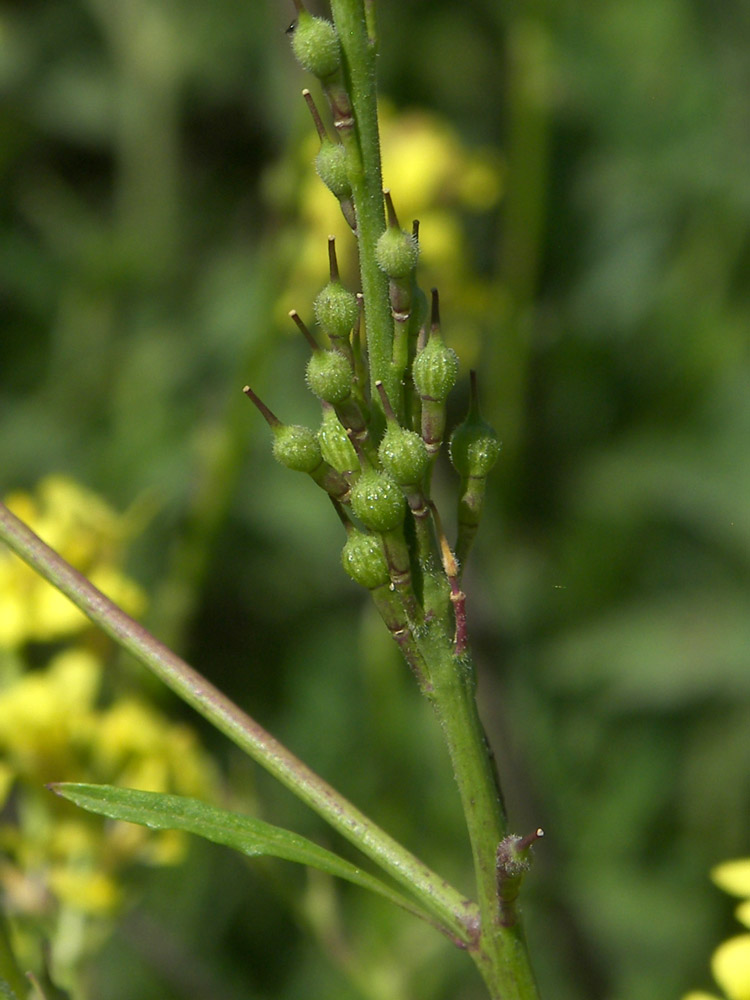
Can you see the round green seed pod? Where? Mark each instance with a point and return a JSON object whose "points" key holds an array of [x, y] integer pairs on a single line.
{"points": [[377, 501], [336, 310], [474, 448], [296, 447], [435, 370], [331, 164], [335, 445], [396, 252], [330, 376], [363, 559], [403, 456], [315, 44]]}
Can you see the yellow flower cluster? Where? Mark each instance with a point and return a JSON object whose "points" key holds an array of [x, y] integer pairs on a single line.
{"points": [[730, 962], [434, 178], [59, 721], [86, 532]]}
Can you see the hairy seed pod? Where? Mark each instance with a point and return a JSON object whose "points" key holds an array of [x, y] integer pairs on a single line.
{"points": [[296, 447], [315, 44], [396, 252], [474, 449], [435, 370], [403, 455], [335, 445], [364, 561], [336, 310], [474, 445], [378, 502], [332, 166], [330, 376]]}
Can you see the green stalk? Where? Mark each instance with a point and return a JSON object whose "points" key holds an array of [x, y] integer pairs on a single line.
{"points": [[365, 175], [501, 954], [454, 912]]}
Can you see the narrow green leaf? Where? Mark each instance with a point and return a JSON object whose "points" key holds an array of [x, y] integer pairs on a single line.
{"points": [[242, 833]]}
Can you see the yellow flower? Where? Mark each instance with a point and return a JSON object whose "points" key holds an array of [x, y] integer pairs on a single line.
{"points": [[733, 877], [60, 865], [731, 967], [46, 714], [86, 532], [743, 913], [730, 962]]}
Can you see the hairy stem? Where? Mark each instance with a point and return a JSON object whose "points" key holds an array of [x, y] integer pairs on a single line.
{"points": [[501, 954], [455, 913]]}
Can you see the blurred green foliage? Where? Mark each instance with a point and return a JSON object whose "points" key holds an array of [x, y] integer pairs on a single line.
{"points": [[148, 224]]}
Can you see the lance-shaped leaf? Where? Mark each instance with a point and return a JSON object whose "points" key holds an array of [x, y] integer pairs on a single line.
{"points": [[246, 834]]}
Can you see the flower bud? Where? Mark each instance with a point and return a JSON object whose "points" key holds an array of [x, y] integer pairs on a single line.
{"points": [[377, 501], [364, 561], [330, 376], [296, 447], [335, 445], [403, 455], [315, 44]]}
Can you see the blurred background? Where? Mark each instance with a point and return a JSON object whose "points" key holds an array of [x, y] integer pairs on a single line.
{"points": [[582, 175]]}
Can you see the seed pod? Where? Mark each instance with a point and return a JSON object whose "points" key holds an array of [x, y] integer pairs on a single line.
{"points": [[402, 452], [404, 456], [335, 445], [315, 44], [474, 445], [330, 376], [378, 502], [397, 253], [331, 161], [296, 447], [331, 164], [364, 561], [435, 370], [474, 449], [336, 309]]}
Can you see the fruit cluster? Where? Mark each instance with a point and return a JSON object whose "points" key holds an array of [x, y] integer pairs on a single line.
{"points": [[372, 454]]}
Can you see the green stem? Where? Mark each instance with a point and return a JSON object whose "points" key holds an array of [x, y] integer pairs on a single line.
{"points": [[501, 954], [455, 913], [359, 56]]}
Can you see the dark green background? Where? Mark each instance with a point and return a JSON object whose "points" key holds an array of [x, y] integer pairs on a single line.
{"points": [[143, 245]]}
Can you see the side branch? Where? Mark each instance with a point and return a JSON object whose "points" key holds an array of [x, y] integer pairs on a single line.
{"points": [[456, 914]]}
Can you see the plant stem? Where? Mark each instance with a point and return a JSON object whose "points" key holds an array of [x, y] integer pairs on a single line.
{"points": [[456, 914], [501, 954], [365, 175]]}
